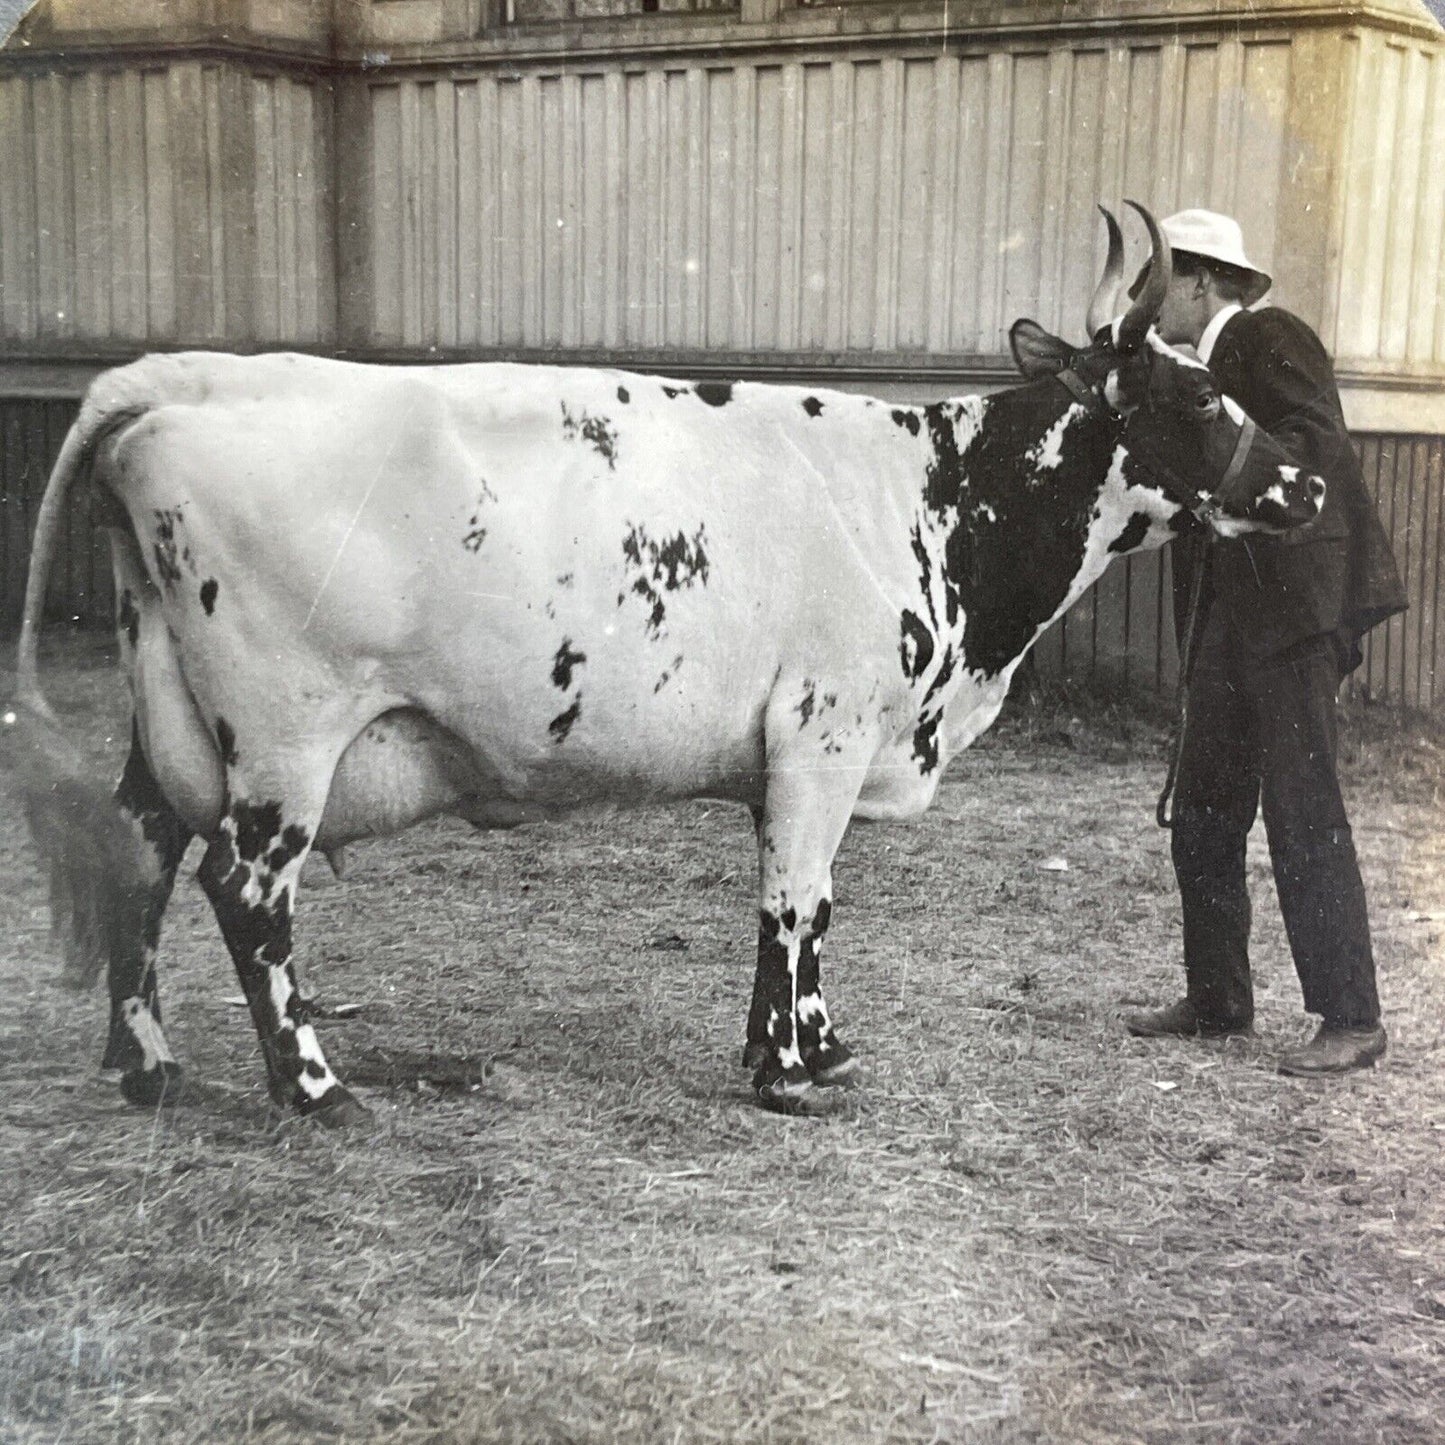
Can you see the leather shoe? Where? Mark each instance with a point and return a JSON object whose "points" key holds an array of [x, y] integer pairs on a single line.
{"points": [[1336, 1051], [1182, 1020]]}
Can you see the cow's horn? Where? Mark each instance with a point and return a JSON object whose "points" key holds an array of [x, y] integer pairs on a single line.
{"points": [[1101, 308], [1145, 310]]}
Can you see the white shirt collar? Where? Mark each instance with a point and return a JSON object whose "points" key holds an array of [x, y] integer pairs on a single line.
{"points": [[1217, 323]]}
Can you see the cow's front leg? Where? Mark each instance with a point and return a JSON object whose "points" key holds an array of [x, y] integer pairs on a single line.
{"points": [[249, 873], [136, 1043], [826, 1058], [792, 1046], [787, 956]]}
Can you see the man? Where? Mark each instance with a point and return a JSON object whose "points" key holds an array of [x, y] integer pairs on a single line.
{"points": [[1278, 626]]}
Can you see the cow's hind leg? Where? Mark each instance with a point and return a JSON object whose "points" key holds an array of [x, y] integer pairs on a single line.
{"points": [[828, 1060], [792, 1044], [249, 873], [136, 1043]]}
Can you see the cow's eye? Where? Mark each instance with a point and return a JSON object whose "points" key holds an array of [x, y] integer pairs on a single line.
{"points": [[1207, 403]]}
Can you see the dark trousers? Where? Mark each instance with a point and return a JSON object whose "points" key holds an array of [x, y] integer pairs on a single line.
{"points": [[1265, 730]]}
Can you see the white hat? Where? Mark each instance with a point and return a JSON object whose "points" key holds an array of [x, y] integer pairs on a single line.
{"points": [[1207, 233]]}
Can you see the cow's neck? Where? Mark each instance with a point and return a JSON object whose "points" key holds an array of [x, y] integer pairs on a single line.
{"points": [[1005, 527], [1012, 494]]}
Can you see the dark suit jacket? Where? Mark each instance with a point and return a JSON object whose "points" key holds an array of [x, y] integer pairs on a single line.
{"points": [[1336, 575]]}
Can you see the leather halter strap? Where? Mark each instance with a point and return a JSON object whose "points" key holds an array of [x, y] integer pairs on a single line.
{"points": [[1205, 506], [1087, 396], [1242, 444]]}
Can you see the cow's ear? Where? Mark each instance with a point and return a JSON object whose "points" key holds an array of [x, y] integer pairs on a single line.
{"points": [[1036, 351]]}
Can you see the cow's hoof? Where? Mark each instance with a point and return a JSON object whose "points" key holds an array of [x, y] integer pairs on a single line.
{"points": [[147, 1088], [834, 1068], [338, 1108], [791, 1091]]}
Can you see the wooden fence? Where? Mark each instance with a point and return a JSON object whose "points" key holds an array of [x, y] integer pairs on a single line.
{"points": [[81, 591], [1120, 629]]}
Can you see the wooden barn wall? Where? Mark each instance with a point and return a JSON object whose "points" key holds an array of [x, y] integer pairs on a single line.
{"points": [[1120, 630], [1405, 658], [81, 591], [183, 201], [853, 204], [1388, 299]]}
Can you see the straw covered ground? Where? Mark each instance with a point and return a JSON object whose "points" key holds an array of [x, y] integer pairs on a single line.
{"points": [[570, 1224]]}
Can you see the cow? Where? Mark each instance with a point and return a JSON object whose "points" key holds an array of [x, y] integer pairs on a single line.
{"points": [[351, 597]]}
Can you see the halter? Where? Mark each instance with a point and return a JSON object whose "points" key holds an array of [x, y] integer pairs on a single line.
{"points": [[1203, 506], [1091, 398]]}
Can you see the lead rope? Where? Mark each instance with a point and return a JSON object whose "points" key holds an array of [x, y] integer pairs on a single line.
{"points": [[1242, 444], [1162, 813]]}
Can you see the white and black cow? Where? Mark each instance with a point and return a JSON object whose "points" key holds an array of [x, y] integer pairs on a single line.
{"points": [[352, 597]]}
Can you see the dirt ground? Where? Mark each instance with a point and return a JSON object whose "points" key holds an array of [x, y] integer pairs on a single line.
{"points": [[571, 1224]]}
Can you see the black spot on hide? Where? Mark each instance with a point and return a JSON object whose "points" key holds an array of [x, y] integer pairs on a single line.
{"points": [[563, 663], [714, 393], [812, 406], [139, 795], [166, 551], [561, 725], [256, 825], [261, 935], [596, 431], [809, 702], [209, 588], [623, 395], [930, 717], [669, 566], [916, 647], [906, 419], [293, 843], [476, 533], [1135, 530]]}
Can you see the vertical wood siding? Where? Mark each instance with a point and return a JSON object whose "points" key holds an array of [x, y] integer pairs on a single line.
{"points": [[1121, 630], [1405, 658], [1389, 297], [860, 204], [184, 202]]}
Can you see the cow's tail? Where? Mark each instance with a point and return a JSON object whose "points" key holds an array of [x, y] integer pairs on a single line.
{"points": [[94, 424], [74, 456], [96, 860]]}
